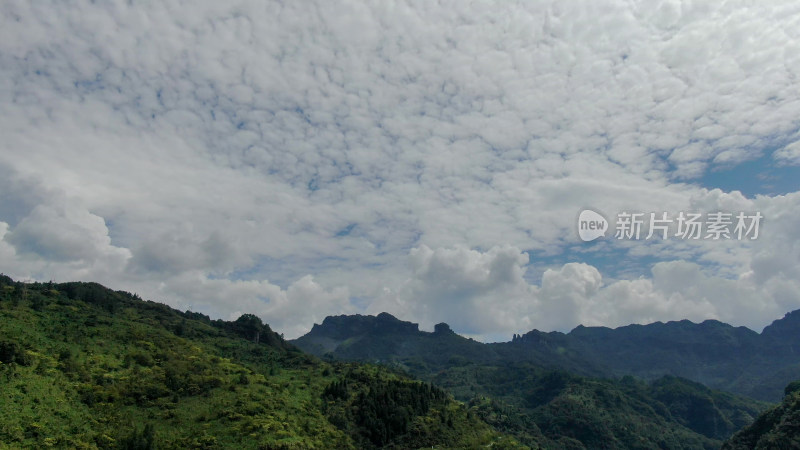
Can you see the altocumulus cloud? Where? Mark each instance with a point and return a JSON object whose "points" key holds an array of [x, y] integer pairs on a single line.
{"points": [[300, 159]]}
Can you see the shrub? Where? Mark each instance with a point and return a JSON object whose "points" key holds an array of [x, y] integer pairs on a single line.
{"points": [[12, 352]]}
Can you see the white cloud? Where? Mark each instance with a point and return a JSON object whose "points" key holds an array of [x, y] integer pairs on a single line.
{"points": [[485, 294], [289, 311], [789, 154], [473, 291], [48, 233], [232, 143], [58, 233]]}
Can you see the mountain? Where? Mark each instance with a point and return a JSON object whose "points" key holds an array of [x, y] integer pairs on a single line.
{"points": [[777, 428], [543, 384], [386, 339], [734, 359], [669, 412], [82, 366]]}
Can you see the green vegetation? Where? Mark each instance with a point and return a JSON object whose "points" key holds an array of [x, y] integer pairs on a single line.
{"points": [[378, 409], [777, 428], [509, 387], [85, 367], [82, 366], [598, 413]]}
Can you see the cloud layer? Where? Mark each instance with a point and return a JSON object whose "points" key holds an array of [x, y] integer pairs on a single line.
{"points": [[303, 159]]}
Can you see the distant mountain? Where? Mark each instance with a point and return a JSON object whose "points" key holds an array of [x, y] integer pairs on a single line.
{"points": [[543, 384], [82, 366], [386, 339], [735, 359]]}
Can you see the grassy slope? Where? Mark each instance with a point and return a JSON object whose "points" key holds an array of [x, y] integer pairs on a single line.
{"points": [[85, 367]]}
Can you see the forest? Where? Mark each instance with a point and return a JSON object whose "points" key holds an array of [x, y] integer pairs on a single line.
{"points": [[83, 366]]}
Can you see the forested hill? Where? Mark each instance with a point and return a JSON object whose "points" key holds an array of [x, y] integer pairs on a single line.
{"points": [[734, 359], [522, 387], [778, 428], [82, 366]]}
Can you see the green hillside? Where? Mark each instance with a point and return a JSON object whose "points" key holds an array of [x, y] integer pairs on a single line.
{"points": [[670, 412], [82, 366], [778, 428]]}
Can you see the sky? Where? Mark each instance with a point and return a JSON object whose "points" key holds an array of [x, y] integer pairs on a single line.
{"points": [[301, 159]]}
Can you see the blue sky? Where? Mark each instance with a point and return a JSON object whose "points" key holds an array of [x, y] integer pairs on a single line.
{"points": [[296, 160], [761, 176]]}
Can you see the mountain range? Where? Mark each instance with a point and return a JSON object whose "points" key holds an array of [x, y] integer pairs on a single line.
{"points": [[83, 366], [721, 356]]}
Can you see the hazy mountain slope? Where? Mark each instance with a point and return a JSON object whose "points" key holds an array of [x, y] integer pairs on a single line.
{"points": [[386, 339], [82, 367], [721, 356], [511, 389]]}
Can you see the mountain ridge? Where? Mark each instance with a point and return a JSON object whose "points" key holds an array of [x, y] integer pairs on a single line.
{"points": [[95, 367], [732, 358], [542, 380]]}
